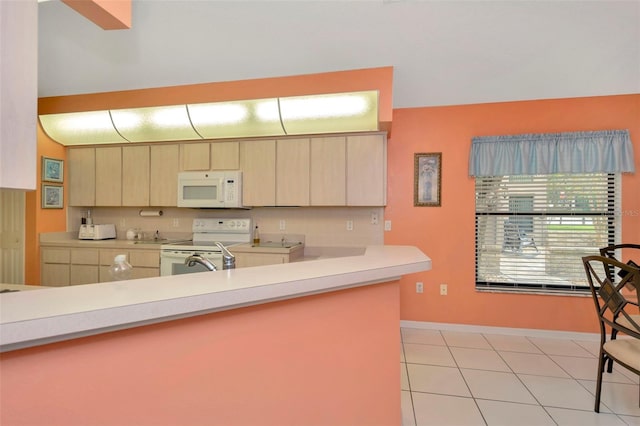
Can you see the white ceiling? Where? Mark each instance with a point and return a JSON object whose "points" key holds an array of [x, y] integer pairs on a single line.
{"points": [[443, 52]]}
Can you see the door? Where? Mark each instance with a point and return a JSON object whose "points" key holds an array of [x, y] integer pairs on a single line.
{"points": [[12, 222]]}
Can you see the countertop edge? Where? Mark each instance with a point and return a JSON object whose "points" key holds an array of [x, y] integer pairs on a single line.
{"points": [[44, 316]]}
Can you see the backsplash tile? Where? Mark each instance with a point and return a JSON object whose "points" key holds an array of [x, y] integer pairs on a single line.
{"points": [[322, 226]]}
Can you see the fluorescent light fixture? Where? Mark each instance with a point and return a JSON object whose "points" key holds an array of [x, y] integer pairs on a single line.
{"points": [[335, 113], [298, 115], [166, 123], [236, 119], [81, 128]]}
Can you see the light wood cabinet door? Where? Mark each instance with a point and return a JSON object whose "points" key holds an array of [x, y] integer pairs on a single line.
{"points": [[135, 176], [163, 182], [366, 170], [55, 274], [83, 274], [145, 258], [258, 165], [54, 268], [245, 260], [292, 172], [225, 155], [109, 176], [328, 183], [82, 176], [195, 156]]}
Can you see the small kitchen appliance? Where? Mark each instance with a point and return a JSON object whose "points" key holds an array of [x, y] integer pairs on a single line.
{"points": [[212, 189], [206, 233], [97, 232]]}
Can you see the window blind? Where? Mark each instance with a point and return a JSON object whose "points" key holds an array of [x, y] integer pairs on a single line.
{"points": [[532, 230]]}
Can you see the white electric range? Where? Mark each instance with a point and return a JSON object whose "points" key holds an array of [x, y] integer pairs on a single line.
{"points": [[206, 233]]}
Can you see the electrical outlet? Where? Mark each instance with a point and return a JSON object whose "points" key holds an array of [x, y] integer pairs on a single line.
{"points": [[443, 289], [123, 223], [283, 225], [349, 225], [387, 225], [419, 287], [176, 223], [374, 218]]}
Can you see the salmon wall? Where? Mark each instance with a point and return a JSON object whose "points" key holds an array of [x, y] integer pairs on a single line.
{"points": [[37, 219], [328, 359], [447, 233]]}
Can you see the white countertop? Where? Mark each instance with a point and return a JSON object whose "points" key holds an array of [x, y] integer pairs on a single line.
{"points": [[31, 318]]}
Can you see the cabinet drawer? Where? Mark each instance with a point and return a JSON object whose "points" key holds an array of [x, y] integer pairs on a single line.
{"points": [[56, 255], [107, 256], [84, 257], [145, 258]]}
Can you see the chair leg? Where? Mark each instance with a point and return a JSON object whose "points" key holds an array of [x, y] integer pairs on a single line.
{"points": [[601, 363], [614, 333]]}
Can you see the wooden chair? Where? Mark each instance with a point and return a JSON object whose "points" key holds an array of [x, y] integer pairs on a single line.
{"points": [[634, 252], [611, 307]]}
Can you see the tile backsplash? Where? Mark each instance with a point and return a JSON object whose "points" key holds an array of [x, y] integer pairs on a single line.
{"points": [[321, 226]]}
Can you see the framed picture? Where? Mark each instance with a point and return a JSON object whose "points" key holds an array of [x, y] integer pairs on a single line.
{"points": [[52, 170], [52, 196], [427, 173]]}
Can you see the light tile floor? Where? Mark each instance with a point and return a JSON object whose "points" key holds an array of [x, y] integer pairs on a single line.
{"points": [[456, 378]]}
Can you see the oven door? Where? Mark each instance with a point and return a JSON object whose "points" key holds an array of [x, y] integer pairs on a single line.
{"points": [[172, 262]]}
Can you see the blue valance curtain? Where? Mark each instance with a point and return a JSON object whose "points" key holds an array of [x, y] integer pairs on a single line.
{"points": [[607, 151]]}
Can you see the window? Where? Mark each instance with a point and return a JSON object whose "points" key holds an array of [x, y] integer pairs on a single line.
{"points": [[532, 230]]}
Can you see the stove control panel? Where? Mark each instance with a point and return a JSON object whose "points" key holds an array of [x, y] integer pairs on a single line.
{"points": [[230, 226]]}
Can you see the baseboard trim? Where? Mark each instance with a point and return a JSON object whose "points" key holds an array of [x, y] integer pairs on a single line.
{"points": [[528, 332]]}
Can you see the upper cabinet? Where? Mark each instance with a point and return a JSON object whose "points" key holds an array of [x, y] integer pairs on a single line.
{"points": [[210, 156], [135, 175], [328, 171], [314, 171], [292, 172], [258, 165], [82, 176], [366, 170], [163, 185], [108, 176]]}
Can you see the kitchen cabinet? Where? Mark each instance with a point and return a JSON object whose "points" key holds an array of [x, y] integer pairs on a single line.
{"points": [[258, 165], [54, 269], [245, 260], [292, 172], [84, 266], [366, 170], [328, 166], [135, 175], [210, 156], [145, 263], [195, 157], [163, 175], [108, 185], [225, 155], [82, 176], [247, 255], [76, 264]]}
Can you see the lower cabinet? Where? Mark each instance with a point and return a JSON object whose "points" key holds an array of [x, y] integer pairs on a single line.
{"points": [[244, 260], [62, 266], [55, 267]]}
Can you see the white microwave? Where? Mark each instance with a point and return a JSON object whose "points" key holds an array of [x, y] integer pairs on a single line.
{"points": [[213, 189]]}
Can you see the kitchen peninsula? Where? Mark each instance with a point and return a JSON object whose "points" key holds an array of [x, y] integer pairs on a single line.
{"points": [[301, 343]]}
